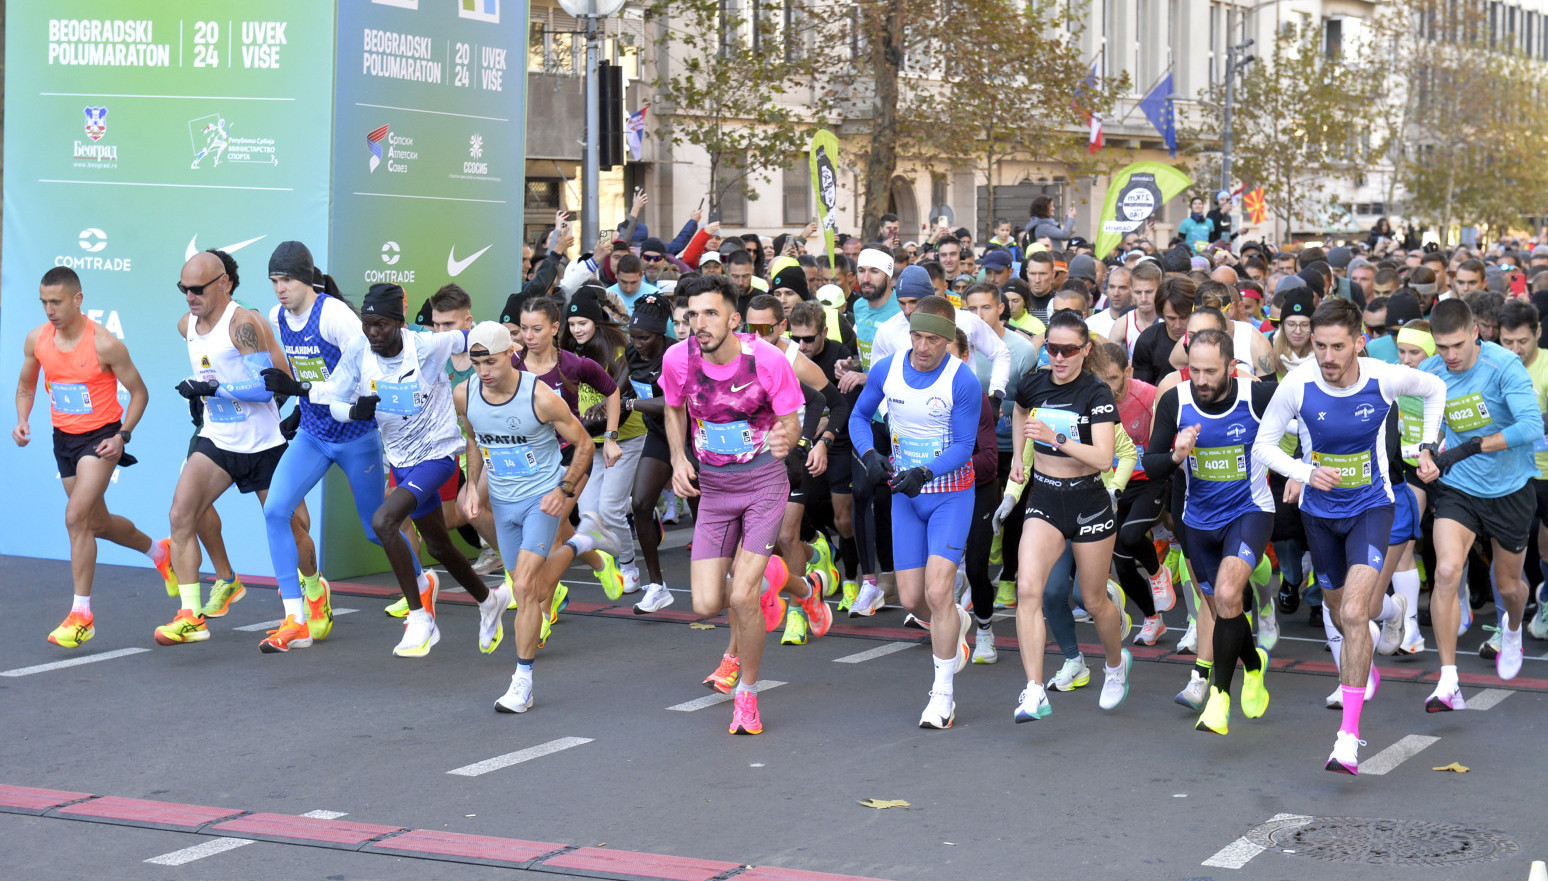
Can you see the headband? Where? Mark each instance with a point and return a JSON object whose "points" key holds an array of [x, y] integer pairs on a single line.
{"points": [[876, 258], [939, 325], [1427, 289], [1417, 338]]}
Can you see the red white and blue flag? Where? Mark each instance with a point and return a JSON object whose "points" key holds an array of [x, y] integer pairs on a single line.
{"points": [[1093, 121], [634, 132]]}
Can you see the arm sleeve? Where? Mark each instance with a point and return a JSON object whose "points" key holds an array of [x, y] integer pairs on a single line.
{"points": [[251, 388], [684, 236], [1397, 380], [345, 379], [883, 343], [966, 408], [811, 414], [989, 344], [865, 407], [1126, 454], [1163, 433], [1281, 412], [1522, 403]]}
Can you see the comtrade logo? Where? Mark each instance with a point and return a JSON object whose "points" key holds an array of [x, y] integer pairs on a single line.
{"points": [[93, 241], [374, 140]]}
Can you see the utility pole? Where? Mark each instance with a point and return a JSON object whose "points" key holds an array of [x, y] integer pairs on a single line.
{"points": [[1233, 52]]}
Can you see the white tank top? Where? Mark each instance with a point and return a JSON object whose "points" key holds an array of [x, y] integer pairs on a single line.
{"points": [[415, 413], [1131, 330], [233, 426], [919, 420], [1241, 339]]}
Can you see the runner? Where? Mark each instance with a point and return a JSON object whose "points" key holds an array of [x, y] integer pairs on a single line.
{"points": [[647, 344], [1405, 427], [402, 376], [1347, 500], [743, 399], [91, 429], [933, 407], [1144, 282]]}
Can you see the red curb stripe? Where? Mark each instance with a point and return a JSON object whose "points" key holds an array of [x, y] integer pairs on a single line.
{"points": [[287, 829], [28, 800], [461, 847], [150, 814], [774, 873], [625, 864]]}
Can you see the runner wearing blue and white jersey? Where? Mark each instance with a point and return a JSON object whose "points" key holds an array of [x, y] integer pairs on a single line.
{"points": [[1485, 483], [1340, 405]]}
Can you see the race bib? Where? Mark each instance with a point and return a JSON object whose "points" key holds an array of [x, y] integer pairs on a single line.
{"points": [[511, 461], [70, 397], [1467, 413], [916, 452], [642, 390], [224, 410], [727, 438], [310, 369], [1542, 443], [1061, 421], [864, 347], [1354, 469], [398, 398], [1219, 463]]}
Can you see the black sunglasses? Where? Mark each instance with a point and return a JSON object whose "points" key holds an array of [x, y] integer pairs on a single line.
{"points": [[198, 289], [804, 339]]}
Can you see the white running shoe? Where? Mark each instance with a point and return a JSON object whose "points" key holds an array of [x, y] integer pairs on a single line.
{"points": [[912, 620], [1444, 699], [1507, 664], [1115, 687], [960, 588], [983, 647], [1194, 693], [1032, 704], [1189, 644], [490, 630], [1161, 590], [419, 634], [1335, 701], [1538, 626], [656, 598], [1268, 628], [940, 712], [1074, 674], [607, 542], [1121, 603], [964, 650], [1153, 630], [1080, 615], [868, 602], [631, 579], [1413, 640], [488, 561], [1392, 629], [517, 698], [1345, 758]]}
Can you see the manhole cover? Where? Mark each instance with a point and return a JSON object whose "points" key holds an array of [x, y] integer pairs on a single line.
{"points": [[1382, 842]]}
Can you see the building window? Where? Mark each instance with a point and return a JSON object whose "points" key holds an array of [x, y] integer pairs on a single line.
{"points": [[937, 189], [1333, 37], [731, 184], [798, 192]]}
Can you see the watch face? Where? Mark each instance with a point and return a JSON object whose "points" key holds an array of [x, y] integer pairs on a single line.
{"points": [[1060, 439]]}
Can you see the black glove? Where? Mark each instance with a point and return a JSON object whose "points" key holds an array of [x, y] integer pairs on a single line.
{"points": [[280, 383], [910, 482], [291, 424], [1471, 447], [875, 467], [197, 388], [364, 408], [997, 399]]}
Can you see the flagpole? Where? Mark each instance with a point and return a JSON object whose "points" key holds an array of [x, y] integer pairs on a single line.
{"points": [[1135, 105]]}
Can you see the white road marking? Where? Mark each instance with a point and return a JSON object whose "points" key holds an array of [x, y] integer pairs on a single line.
{"points": [[1237, 854], [325, 815], [1396, 754], [1489, 698], [72, 662], [199, 851], [702, 702], [880, 651], [270, 625], [516, 758]]}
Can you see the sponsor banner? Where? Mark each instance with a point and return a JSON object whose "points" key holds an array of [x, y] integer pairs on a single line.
{"points": [[1134, 195], [824, 154]]}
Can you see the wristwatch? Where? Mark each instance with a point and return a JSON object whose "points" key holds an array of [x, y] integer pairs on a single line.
{"points": [[1434, 449], [804, 445], [610, 435], [124, 433], [567, 488], [1060, 440]]}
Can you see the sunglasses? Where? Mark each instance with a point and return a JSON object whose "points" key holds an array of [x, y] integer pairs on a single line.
{"points": [[198, 289], [1063, 350], [652, 258], [804, 339], [762, 329]]}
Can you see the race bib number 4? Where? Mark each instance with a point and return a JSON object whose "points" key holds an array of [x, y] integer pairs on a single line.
{"points": [[1467, 413], [1354, 469], [70, 397], [1219, 463]]}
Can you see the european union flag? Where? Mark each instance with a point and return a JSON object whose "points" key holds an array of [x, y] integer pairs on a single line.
{"points": [[1157, 107]]}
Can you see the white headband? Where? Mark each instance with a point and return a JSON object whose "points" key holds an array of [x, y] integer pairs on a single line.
{"points": [[876, 258]]}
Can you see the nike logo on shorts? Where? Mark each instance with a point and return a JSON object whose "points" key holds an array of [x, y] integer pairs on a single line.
{"points": [[1084, 520]]}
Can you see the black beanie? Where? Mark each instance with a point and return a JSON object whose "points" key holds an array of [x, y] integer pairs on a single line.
{"points": [[587, 304], [511, 314], [794, 278], [293, 260], [387, 300]]}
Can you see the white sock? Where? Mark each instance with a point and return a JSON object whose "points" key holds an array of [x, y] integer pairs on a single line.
{"points": [[1335, 642], [422, 582], [295, 608], [1406, 583], [524, 673], [945, 671], [1389, 609], [81, 604], [1448, 678], [582, 542], [154, 553], [421, 616]]}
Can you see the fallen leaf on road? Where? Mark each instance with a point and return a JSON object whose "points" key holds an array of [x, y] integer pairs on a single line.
{"points": [[699, 625], [1460, 769], [881, 803]]}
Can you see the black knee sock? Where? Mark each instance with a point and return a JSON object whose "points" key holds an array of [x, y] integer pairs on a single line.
{"points": [[1229, 635], [1250, 659], [849, 552], [469, 534]]}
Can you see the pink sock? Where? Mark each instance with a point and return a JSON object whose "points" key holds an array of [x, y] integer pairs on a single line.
{"points": [[1354, 701]]}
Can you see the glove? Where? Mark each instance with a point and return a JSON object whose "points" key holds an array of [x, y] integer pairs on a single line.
{"points": [[1112, 496], [1007, 504], [291, 424], [910, 482], [875, 467], [998, 400], [280, 383], [364, 408], [1471, 447], [197, 388]]}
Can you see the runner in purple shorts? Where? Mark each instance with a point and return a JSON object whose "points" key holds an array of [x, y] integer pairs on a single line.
{"points": [[741, 399]]}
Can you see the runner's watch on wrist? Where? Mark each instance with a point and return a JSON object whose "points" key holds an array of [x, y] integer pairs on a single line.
{"points": [[610, 435], [1433, 447], [567, 488], [1060, 440], [125, 434]]}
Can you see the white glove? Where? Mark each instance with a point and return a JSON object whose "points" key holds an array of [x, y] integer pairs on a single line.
{"points": [[1000, 513], [1112, 496]]}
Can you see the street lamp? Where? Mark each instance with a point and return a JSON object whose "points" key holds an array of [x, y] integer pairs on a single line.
{"points": [[592, 11]]}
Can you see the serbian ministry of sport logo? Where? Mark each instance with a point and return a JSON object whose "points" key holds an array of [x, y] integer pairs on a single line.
{"points": [[96, 122]]}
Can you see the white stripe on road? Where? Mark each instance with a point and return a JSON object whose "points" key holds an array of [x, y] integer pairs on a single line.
{"points": [[702, 702], [73, 662], [270, 625], [1239, 852], [1396, 754], [880, 651], [199, 851], [516, 758], [325, 815], [1488, 699]]}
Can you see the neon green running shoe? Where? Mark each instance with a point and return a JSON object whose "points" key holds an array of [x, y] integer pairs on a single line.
{"points": [[222, 595], [611, 578], [1005, 595], [822, 561], [1255, 696], [797, 631], [850, 590], [1216, 717], [997, 550], [510, 585], [398, 609], [544, 631], [319, 611], [561, 601]]}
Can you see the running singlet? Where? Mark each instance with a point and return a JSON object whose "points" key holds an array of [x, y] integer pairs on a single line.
{"points": [[1494, 396], [1222, 479], [919, 420], [414, 410], [867, 319], [521, 452], [314, 350], [1069, 409], [82, 397], [233, 426], [731, 407], [1134, 413]]}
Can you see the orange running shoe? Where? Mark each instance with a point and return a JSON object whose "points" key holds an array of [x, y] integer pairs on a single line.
{"points": [[427, 595], [165, 567], [818, 615], [774, 575], [185, 627], [291, 634], [75, 630], [725, 676]]}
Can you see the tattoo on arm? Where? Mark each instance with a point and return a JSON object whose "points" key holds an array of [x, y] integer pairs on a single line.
{"points": [[246, 338], [1265, 365]]}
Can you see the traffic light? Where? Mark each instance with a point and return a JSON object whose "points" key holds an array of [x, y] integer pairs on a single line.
{"points": [[610, 140]]}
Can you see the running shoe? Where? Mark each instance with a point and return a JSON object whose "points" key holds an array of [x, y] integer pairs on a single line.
{"points": [[560, 602], [744, 713], [1173, 560], [545, 630], [912, 620], [185, 627], [1074, 674], [1289, 598], [222, 594], [822, 561], [775, 574], [1313, 615], [165, 567], [1268, 628], [669, 511], [983, 647], [488, 561], [960, 594], [940, 712], [656, 598], [1538, 626], [847, 594], [1392, 630], [428, 593], [631, 579], [291, 634], [491, 630], [1465, 600], [1255, 696], [726, 676], [1490, 649], [1507, 665], [1444, 699], [1121, 603], [75, 629], [1005, 595], [818, 615], [1413, 640], [398, 608], [1080, 615], [1372, 682], [1335, 701], [1115, 687], [1161, 590], [997, 549], [517, 698], [868, 601], [1032, 704], [510, 585], [1189, 644], [319, 610], [1193, 694], [419, 635], [612, 580], [1345, 758], [1153, 629], [796, 630], [1216, 717]]}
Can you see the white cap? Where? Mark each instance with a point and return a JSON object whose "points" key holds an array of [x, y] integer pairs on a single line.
{"points": [[711, 257], [876, 258], [831, 294], [666, 285], [492, 335]]}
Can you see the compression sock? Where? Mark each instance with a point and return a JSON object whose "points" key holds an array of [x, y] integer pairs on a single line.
{"points": [[1354, 701], [1406, 584], [1230, 634], [849, 552], [1389, 609]]}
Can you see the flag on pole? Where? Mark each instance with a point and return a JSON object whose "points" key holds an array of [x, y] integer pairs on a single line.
{"points": [[1256, 205], [1157, 107], [823, 155], [1093, 121], [634, 132]]}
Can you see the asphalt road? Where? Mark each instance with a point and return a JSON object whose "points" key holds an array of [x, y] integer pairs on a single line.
{"points": [[345, 728]]}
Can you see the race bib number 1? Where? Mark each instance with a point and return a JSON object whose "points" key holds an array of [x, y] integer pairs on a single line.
{"points": [[728, 438]]}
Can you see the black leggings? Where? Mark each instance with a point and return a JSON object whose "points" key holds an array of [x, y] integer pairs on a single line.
{"points": [[986, 497], [873, 511], [1139, 507]]}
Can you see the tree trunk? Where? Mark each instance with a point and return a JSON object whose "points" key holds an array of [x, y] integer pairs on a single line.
{"points": [[886, 60]]}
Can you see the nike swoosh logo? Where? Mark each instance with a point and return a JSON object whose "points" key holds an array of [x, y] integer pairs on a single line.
{"points": [[1084, 520], [454, 267], [193, 246], [737, 388]]}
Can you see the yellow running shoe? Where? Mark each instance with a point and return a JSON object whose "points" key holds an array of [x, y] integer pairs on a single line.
{"points": [[185, 627], [319, 611], [399, 608], [1255, 696], [611, 578], [222, 594], [510, 585], [1216, 717], [1005, 595], [561, 601], [796, 630], [848, 595], [545, 629], [75, 630]]}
